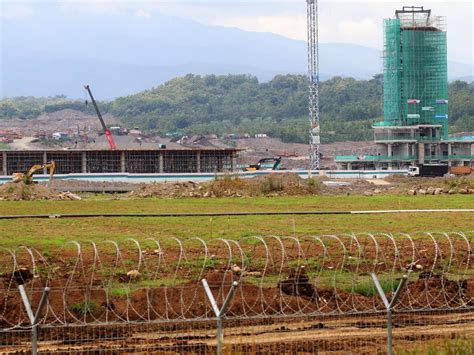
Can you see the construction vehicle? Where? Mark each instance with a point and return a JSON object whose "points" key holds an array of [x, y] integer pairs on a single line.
{"points": [[461, 170], [107, 133], [438, 170], [265, 164], [428, 170], [28, 177]]}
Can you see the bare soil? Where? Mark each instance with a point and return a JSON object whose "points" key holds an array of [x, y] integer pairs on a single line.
{"points": [[60, 121], [19, 191]]}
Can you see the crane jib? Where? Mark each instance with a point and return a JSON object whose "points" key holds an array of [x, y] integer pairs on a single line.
{"points": [[108, 135]]}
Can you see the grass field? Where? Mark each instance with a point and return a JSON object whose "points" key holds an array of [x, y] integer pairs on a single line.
{"points": [[50, 233]]}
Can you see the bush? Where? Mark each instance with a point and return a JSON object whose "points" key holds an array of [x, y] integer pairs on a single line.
{"points": [[271, 184]]}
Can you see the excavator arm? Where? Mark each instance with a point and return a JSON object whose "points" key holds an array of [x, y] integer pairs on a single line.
{"points": [[28, 177], [50, 165]]}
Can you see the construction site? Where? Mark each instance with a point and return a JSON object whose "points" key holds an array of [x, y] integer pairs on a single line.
{"points": [[126, 244], [415, 103]]}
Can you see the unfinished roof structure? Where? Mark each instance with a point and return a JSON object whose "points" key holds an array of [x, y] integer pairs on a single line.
{"points": [[135, 161]]}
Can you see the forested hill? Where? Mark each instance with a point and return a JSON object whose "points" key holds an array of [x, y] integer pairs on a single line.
{"points": [[241, 104]]}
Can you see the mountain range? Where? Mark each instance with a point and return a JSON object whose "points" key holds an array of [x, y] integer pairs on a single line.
{"points": [[56, 53]]}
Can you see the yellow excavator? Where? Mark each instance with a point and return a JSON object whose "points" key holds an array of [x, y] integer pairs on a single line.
{"points": [[28, 177]]}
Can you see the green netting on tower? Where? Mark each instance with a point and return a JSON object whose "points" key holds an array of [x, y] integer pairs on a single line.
{"points": [[415, 74], [392, 73]]}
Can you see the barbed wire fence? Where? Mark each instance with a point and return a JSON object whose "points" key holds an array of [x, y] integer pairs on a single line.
{"points": [[287, 294]]}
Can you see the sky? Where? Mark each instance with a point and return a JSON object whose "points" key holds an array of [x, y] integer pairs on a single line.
{"points": [[349, 21]]}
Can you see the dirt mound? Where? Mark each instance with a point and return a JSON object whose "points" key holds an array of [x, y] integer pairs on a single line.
{"points": [[169, 190], [28, 192], [232, 186], [21, 191], [298, 284]]}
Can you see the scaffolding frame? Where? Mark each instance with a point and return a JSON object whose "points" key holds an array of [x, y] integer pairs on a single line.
{"points": [[415, 70]]}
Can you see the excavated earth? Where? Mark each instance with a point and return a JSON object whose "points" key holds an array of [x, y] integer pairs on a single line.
{"points": [[340, 332], [18, 191], [278, 184]]}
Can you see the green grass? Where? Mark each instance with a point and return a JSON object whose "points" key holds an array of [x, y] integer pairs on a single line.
{"points": [[457, 346], [125, 289], [367, 288], [51, 234], [81, 309]]}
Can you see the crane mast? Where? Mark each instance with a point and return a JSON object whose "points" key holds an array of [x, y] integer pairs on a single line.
{"points": [[108, 135], [313, 76]]}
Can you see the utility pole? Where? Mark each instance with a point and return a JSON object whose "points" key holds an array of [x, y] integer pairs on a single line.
{"points": [[313, 76]]}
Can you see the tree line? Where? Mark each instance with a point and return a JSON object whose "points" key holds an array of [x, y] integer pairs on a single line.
{"points": [[241, 104]]}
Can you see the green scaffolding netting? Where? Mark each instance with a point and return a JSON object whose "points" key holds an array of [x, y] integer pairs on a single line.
{"points": [[415, 75]]}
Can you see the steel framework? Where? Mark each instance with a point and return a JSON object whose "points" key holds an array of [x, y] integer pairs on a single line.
{"points": [[313, 75]]}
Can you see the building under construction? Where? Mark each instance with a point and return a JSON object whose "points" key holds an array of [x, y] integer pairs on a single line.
{"points": [[136, 161], [415, 126]]}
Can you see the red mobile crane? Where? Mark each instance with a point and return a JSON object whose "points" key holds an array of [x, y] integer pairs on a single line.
{"points": [[108, 135]]}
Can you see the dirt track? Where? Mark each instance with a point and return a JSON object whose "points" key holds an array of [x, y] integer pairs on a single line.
{"points": [[354, 334]]}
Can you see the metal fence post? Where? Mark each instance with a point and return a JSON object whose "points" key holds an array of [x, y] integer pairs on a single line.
{"points": [[33, 318], [389, 306], [219, 312]]}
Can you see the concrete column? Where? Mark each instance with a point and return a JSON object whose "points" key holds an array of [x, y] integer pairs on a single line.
{"points": [[472, 154], [122, 162], [450, 152], [234, 161], [349, 166], [45, 159], [84, 162], [198, 162], [390, 154], [421, 153], [161, 162], [4, 163]]}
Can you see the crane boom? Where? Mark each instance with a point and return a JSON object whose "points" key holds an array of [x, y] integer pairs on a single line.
{"points": [[108, 135]]}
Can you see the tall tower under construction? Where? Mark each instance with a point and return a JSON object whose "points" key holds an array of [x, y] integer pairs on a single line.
{"points": [[415, 100], [415, 69]]}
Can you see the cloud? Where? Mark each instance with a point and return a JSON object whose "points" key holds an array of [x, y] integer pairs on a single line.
{"points": [[96, 7], [288, 25], [142, 14], [11, 10], [356, 21], [364, 31]]}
